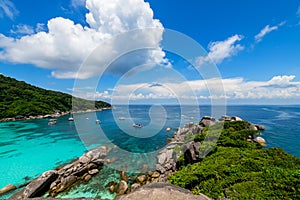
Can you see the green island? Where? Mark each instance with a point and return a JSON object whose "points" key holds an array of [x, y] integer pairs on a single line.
{"points": [[18, 98], [238, 169]]}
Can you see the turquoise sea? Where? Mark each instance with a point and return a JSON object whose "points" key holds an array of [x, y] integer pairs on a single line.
{"points": [[28, 148]]}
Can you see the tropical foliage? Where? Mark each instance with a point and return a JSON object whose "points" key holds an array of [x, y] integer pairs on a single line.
{"points": [[238, 169], [20, 98]]}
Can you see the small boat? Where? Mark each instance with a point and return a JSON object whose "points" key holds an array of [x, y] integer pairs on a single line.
{"points": [[98, 121], [71, 119], [52, 122], [122, 118], [137, 125]]}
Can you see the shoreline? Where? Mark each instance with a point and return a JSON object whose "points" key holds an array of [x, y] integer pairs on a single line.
{"points": [[53, 115]]}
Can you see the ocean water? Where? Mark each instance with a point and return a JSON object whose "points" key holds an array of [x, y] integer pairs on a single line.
{"points": [[28, 148]]}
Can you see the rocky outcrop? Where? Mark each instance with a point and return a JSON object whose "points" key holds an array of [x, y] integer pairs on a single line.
{"points": [[56, 181], [159, 191], [191, 152], [83, 169], [166, 163], [207, 121], [38, 186]]}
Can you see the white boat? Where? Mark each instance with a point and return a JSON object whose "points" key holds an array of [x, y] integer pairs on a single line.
{"points": [[71, 119], [122, 118], [52, 122], [98, 121], [137, 125]]}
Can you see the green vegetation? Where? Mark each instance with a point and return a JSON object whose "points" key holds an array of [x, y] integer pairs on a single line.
{"points": [[20, 98], [241, 170]]}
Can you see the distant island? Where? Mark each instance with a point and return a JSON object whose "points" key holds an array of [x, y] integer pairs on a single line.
{"points": [[19, 99]]}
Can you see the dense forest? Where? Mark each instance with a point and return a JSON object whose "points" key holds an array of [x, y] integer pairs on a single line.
{"points": [[18, 98], [238, 169]]}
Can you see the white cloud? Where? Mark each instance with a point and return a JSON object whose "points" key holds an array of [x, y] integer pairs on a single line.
{"points": [[298, 11], [278, 87], [8, 8], [22, 29], [220, 50], [66, 45], [266, 30]]}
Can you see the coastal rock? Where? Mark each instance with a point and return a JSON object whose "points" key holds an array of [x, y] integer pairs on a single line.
{"points": [[84, 159], [68, 181], [207, 121], [121, 188], [87, 178], [235, 118], [252, 127], [141, 178], [135, 186], [37, 186], [111, 186], [225, 118], [261, 141], [260, 127], [158, 191], [93, 171], [161, 158], [124, 176], [160, 169], [7, 188], [92, 166], [191, 151], [155, 175], [197, 129]]}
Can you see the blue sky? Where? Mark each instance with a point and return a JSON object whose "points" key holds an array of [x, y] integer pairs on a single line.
{"points": [[255, 46]]}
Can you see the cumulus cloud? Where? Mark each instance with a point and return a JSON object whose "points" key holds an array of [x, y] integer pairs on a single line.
{"points": [[8, 8], [266, 30], [278, 87], [220, 50], [66, 45]]}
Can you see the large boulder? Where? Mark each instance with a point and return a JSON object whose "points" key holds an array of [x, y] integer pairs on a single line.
{"points": [[159, 191], [121, 188], [207, 121], [37, 186], [191, 152], [261, 141], [260, 127], [252, 127], [235, 118]]}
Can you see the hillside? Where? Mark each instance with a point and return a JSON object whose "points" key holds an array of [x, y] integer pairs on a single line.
{"points": [[239, 169], [20, 98]]}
